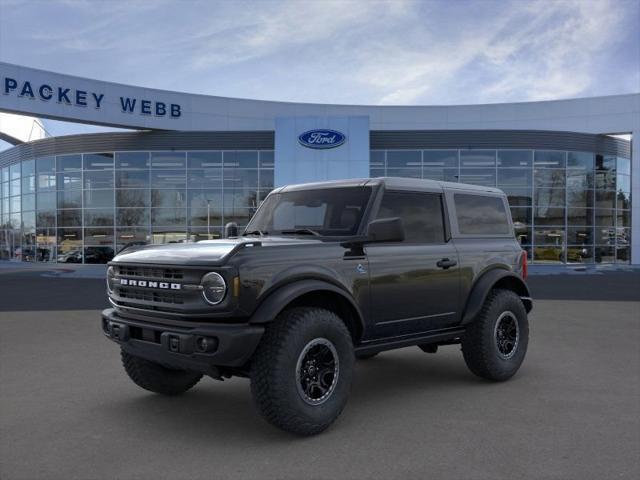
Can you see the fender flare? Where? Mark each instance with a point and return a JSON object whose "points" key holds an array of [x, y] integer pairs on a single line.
{"points": [[282, 296], [485, 284]]}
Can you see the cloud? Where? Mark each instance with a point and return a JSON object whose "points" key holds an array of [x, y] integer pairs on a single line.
{"points": [[338, 51]]}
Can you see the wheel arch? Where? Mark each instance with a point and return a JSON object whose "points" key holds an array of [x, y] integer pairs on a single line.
{"points": [[312, 293], [492, 279]]}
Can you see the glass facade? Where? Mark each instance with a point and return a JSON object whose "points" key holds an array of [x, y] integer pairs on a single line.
{"points": [[567, 207], [83, 208]]}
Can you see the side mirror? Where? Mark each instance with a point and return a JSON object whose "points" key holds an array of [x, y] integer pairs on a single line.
{"points": [[385, 230], [231, 230]]}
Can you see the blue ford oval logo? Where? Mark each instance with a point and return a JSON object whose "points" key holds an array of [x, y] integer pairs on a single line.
{"points": [[322, 138]]}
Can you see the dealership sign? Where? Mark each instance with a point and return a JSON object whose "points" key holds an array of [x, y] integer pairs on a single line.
{"points": [[65, 95], [322, 138]]}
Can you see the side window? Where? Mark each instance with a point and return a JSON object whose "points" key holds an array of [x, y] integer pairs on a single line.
{"points": [[481, 215], [421, 215]]}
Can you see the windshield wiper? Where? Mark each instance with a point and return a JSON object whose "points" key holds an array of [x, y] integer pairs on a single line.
{"points": [[301, 231], [255, 232]]}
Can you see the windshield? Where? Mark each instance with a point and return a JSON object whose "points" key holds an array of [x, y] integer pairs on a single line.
{"points": [[325, 212]]}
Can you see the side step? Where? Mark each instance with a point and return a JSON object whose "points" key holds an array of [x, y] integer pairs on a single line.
{"points": [[446, 336]]}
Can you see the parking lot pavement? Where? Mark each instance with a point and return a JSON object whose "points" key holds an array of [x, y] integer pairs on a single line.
{"points": [[67, 410]]}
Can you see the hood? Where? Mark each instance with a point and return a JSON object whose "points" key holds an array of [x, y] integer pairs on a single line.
{"points": [[208, 252]]}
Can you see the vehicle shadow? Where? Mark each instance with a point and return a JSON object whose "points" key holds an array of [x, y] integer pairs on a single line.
{"points": [[224, 412]]}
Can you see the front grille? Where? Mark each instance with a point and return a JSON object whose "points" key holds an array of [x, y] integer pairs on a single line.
{"points": [[151, 295], [150, 272]]}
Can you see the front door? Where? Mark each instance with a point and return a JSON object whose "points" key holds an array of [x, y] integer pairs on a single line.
{"points": [[414, 284]]}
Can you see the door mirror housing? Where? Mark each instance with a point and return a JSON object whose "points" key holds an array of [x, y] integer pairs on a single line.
{"points": [[385, 230]]}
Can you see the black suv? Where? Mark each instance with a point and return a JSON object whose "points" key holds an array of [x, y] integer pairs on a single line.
{"points": [[323, 274]]}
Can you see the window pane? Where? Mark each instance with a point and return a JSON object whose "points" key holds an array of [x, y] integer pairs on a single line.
{"points": [[440, 158], [577, 254], [605, 180], [168, 159], [605, 163], [521, 215], [98, 254], [29, 202], [514, 177], [478, 176], [69, 218], [98, 199], [623, 166], [421, 215], [240, 159], [376, 172], [168, 178], [524, 233], [405, 172], [98, 217], [202, 198], [46, 219], [441, 174], [605, 254], [404, 158], [605, 218], [47, 181], [266, 179], [199, 234], [70, 199], [98, 236], [98, 179], [578, 197], [515, 158], [28, 184], [548, 216], [132, 160], [477, 158], [69, 180], [204, 159], [623, 200], [376, 159], [28, 168], [624, 183], [266, 159], [624, 218], [605, 199], [132, 178], [203, 216], [14, 187], [548, 254], [580, 236], [577, 178], [549, 159], [132, 216], [549, 197], [579, 216], [46, 200], [45, 165], [131, 236], [70, 245], [478, 214], [207, 178], [168, 217], [549, 178], [168, 198], [98, 161], [69, 162], [237, 178], [582, 160], [133, 198], [549, 236], [605, 235]]}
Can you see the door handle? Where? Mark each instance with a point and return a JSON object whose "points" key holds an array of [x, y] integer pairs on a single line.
{"points": [[446, 263]]}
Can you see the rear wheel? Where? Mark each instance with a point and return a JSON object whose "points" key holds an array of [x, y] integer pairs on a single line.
{"points": [[301, 372], [158, 378], [495, 343]]}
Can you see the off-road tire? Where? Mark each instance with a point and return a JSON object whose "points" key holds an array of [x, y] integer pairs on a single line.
{"points": [[157, 378], [479, 345], [274, 375]]}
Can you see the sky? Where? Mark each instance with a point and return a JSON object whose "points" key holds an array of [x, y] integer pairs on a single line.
{"points": [[395, 52]]}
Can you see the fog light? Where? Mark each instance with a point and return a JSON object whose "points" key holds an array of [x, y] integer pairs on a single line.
{"points": [[206, 344]]}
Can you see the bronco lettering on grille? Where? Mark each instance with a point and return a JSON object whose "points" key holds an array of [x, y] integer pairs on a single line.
{"points": [[149, 284]]}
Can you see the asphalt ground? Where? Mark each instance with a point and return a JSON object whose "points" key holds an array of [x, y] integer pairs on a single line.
{"points": [[68, 411]]}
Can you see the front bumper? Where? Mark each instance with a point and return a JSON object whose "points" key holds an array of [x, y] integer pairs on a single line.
{"points": [[200, 347]]}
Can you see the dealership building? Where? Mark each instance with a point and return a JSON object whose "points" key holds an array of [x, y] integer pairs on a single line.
{"points": [[188, 164]]}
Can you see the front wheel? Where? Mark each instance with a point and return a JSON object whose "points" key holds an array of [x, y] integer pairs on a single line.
{"points": [[301, 372], [495, 343]]}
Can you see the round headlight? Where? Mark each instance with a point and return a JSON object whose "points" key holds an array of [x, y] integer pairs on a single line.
{"points": [[111, 273], [214, 288]]}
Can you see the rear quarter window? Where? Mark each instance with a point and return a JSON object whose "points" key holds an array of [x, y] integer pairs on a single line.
{"points": [[481, 215]]}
